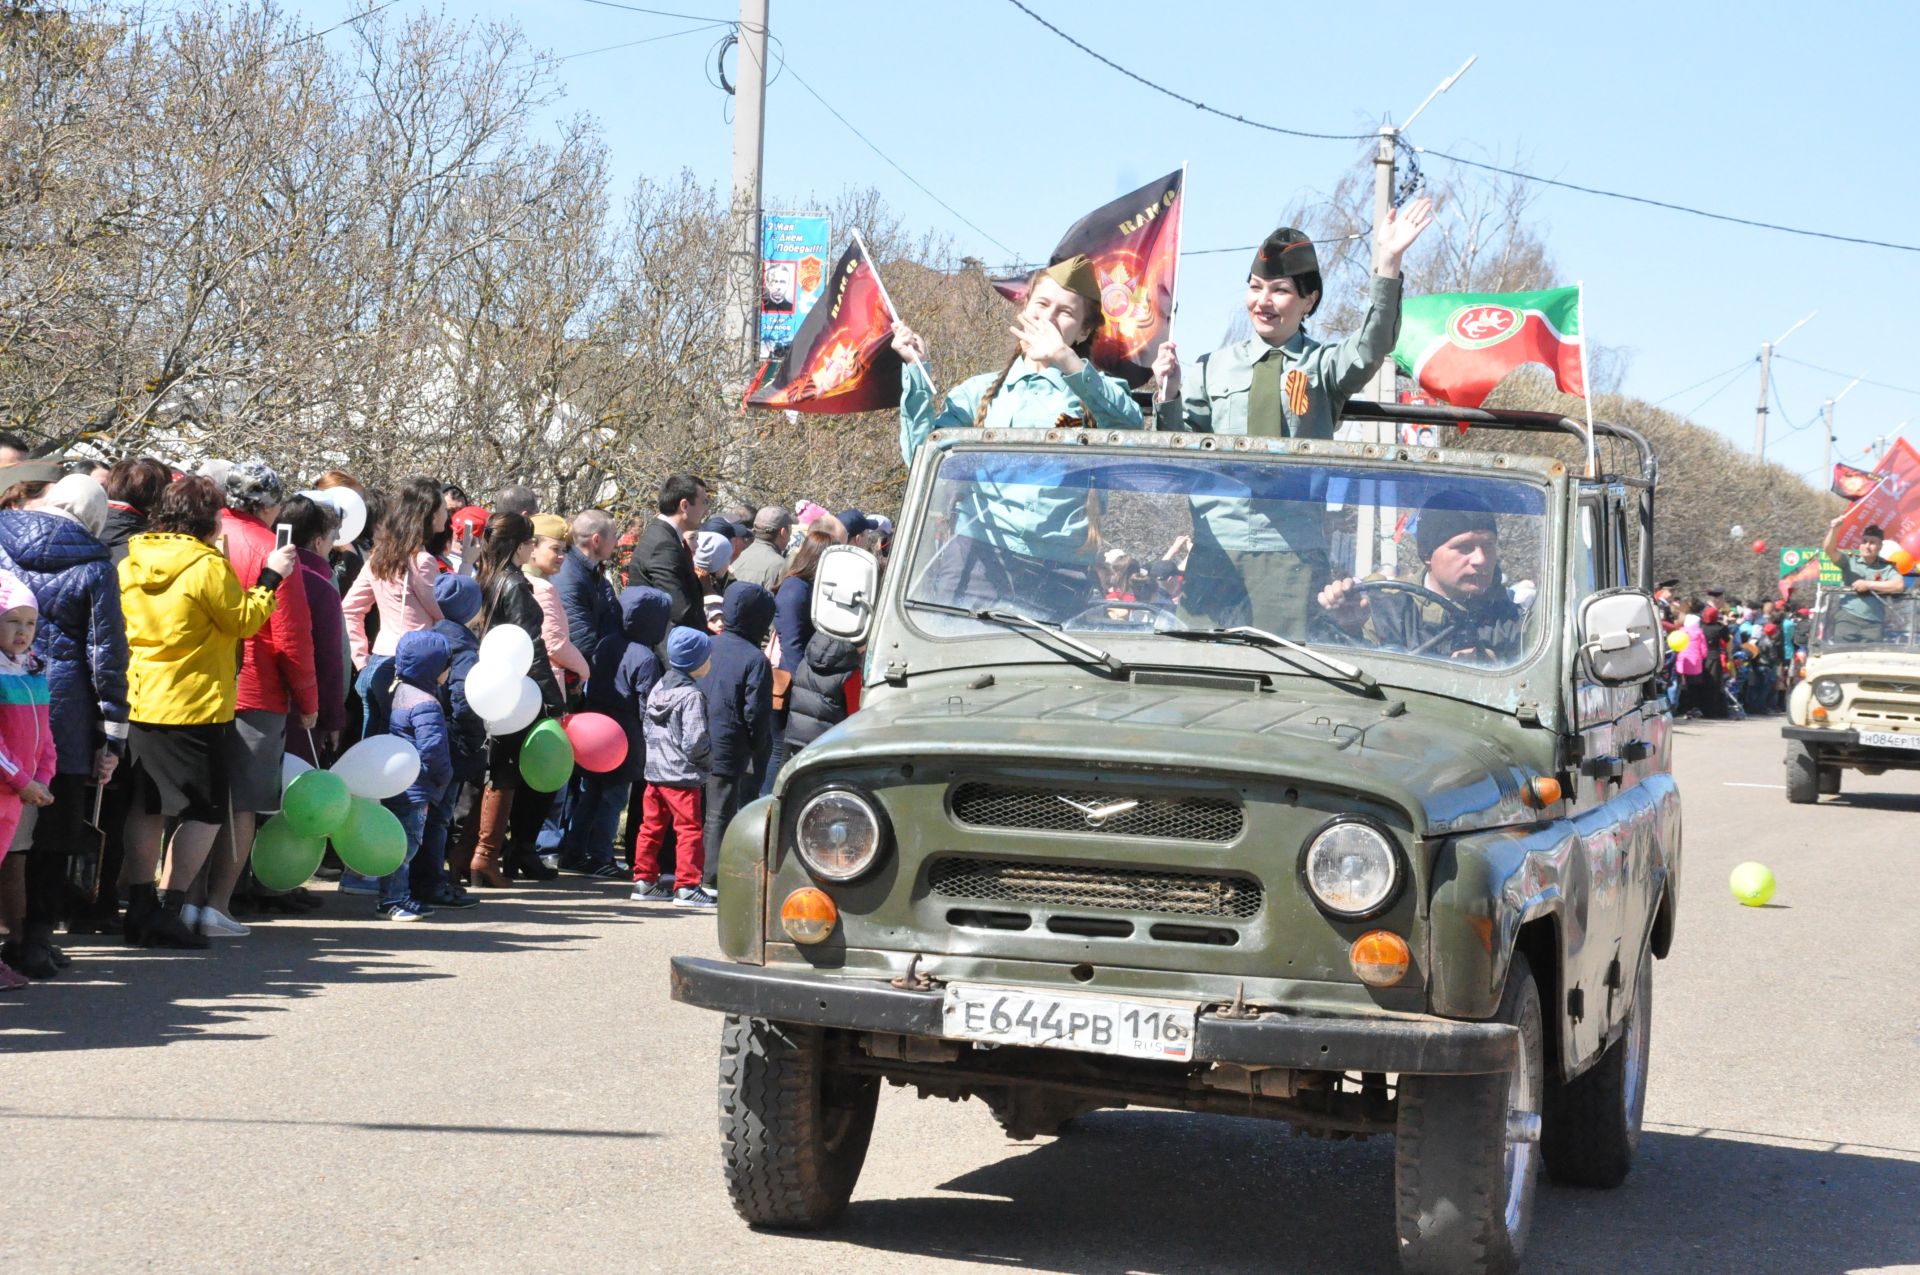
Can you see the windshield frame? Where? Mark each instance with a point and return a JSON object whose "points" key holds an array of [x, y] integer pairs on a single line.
{"points": [[1532, 675], [1830, 599]]}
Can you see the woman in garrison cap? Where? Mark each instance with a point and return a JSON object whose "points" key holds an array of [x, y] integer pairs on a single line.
{"points": [[1031, 541], [1261, 562]]}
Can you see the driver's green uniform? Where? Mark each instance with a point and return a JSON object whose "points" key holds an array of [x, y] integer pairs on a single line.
{"points": [[1261, 562], [1490, 628], [1861, 617]]}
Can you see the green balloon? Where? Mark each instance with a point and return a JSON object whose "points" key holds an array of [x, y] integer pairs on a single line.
{"points": [[546, 758], [282, 856], [371, 841], [316, 802]]}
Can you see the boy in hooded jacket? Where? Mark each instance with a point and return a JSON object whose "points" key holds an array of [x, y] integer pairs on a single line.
{"points": [[739, 693], [678, 754], [625, 670], [420, 663], [458, 597]]}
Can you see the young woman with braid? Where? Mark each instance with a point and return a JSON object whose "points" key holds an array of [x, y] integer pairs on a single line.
{"points": [[1036, 539]]}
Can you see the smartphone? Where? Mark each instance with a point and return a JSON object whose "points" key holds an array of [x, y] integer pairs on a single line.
{"points": [[282, 534]]}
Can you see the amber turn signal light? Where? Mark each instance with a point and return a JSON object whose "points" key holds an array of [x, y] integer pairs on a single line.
{"points": [[1380, 958], [1819, 713], [1540, 793], [808, 915]]}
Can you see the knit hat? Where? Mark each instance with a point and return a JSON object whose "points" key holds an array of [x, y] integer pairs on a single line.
{"points": [[711, 551], [14, 594], [552, 526], [458, 596], [806, 511], [688, 649], [252, 485], [81, 499], [1448, 514]]}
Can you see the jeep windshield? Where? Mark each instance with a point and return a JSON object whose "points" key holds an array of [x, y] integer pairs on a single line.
{"points": [[1438, 566], [1846, 621]]}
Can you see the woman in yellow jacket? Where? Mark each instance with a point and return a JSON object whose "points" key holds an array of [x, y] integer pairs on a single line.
{"points": [[186, 615]]}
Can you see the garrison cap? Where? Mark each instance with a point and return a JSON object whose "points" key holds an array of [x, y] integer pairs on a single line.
{"points": [[1076, 275], [1286, 254]]}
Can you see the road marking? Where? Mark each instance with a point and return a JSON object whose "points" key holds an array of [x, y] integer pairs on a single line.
{"points": [[1730, 784]]}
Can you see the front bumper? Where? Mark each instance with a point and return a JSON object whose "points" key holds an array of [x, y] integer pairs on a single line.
{"points": [[1411, 1043], [1845, 746]]}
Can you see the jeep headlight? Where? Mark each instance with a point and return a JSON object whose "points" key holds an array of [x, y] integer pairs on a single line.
{"points": [[839, 834], [1827, 691], [1351, 868]]}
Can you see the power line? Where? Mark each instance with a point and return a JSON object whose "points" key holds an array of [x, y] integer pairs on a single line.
{"points": [[1701, 405], [1704, 381], [662, 13], [1181, 97], [1661, 203], [1898, 389], [896, 167], [609, 48]]}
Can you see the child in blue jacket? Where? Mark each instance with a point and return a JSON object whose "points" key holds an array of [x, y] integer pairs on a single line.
{"points": [[459, 600], [420, 664], [624, 671]]}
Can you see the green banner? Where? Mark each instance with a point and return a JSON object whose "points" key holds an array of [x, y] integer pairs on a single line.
{"points": [[1793, 561]]}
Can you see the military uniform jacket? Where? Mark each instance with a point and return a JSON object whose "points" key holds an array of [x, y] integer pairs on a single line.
{"points": [[1214, 388], [1494, 628]]}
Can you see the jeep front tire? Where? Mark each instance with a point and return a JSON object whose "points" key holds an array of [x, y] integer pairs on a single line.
{"points": [[794, 1130], [1803, 777]]}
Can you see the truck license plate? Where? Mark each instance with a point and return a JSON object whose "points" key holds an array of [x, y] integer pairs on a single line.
{"points": [[1091, 1024], [1887, 739]]}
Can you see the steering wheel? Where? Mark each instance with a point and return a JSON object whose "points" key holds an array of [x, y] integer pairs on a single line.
{"points": [[1101, 612], [1457, 614]]}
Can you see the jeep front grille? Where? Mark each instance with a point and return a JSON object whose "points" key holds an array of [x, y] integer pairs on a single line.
{"points": [[1085, 886], [1033, 809]]}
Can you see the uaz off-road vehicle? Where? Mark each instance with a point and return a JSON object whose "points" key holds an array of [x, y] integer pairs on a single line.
{"points": [[1858, 707], [1397, 870]]}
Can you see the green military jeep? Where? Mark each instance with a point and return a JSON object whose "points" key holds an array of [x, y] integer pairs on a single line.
{"points": [[1358, 816]]}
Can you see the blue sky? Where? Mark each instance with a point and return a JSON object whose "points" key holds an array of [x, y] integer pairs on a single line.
{"points": [[1771, 111]]}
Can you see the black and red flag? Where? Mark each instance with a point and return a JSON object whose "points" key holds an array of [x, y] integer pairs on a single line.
{"points": [[1850, 483], [842, 358], [1134, 244]]}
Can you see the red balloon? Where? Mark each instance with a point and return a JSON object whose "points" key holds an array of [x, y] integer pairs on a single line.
{"points": [[599, 742], [1759, 546]]}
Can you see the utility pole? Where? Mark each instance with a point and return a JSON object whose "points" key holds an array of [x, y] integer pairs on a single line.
{"points": [[749, 140], [1760, 412], [1826, 416]]}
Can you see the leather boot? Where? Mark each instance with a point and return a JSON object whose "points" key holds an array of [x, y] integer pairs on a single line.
{"points": [[495, 805]]}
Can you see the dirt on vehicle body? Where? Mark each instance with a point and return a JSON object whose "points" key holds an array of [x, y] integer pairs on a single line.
{"points": [[1394, 867]]}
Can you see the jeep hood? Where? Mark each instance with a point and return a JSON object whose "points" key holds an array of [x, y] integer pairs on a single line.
{"points": [[1445, 767]]}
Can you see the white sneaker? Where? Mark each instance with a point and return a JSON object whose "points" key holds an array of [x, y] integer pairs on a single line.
{"points": [[215, 924], [190, 917], [660, 891]]}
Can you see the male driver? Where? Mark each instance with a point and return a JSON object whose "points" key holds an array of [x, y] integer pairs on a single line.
{"points": [[1868, 580], [1463, 610], [661, 557]]}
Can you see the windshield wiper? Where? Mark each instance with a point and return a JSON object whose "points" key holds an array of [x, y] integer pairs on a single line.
{"points": [[1029, 624], [1260, 637]]}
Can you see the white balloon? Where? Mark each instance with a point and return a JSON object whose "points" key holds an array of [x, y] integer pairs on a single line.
{"points": [[524, 711], [291, 765], [1736, 531], [352, 507], [510, 645], [378, 767], [493, 689]]}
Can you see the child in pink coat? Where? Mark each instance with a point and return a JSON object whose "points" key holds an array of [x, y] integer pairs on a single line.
{"points": [[26, 747]]}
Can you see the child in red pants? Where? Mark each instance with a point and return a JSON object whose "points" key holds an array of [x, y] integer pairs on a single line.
{"points": [[678, 752]]}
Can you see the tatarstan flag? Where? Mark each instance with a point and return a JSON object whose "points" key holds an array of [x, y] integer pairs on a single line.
{"points": [[1458, 345], [842, 358]]}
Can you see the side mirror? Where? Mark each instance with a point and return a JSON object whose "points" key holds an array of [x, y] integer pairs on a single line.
{"points": [[1620, 636], [846, 587]]}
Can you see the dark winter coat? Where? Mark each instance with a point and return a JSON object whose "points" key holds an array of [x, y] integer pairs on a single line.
{"points": [[82, 637], [466, 733], [510, 600], [593, 614], [793, 620], [122, 521], [329, 642], [625, 670], [417, 716], [818, 698], [739, 686]]}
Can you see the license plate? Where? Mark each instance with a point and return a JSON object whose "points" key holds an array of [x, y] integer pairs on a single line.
{"points": [[1887, 739], [1091, 1024]]}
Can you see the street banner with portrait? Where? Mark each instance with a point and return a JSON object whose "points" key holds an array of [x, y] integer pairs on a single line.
{"points": [[793, 273], [841, 359], [1134, 244]]}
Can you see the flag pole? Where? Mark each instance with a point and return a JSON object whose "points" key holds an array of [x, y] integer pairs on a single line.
{"points": [[1586, 375]]}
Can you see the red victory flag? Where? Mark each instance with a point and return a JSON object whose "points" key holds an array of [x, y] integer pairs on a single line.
{"points": [[1893, 504], [1850, 483], [842, 358], [1134, 244], [1458, 345]]}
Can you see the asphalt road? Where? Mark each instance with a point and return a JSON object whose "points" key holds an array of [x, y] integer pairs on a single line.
{"points": [[511, 1090]]}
